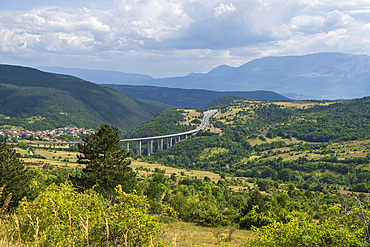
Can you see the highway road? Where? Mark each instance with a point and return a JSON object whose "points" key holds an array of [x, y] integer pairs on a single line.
{"points": [[205, 122]]}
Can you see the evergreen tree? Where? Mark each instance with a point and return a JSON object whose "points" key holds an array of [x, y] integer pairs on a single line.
{"points": [[13, 175], [107, 164]]}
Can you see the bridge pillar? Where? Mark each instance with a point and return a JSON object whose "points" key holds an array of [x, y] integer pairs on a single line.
{"points": [[138, 151], [161, 145], [170, 141], [150, 147], [127, 146], [69, 147]]}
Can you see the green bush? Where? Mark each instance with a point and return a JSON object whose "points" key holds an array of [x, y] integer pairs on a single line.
{"points": [[302, 231], [60, 216]]}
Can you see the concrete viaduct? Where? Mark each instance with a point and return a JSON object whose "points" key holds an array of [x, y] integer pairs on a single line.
{"points": [[169, 140]]}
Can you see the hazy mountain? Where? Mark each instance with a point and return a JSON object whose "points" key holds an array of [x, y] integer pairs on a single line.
{"points": [[319, 76], [98, 76], [61, 100], [192, 98]]}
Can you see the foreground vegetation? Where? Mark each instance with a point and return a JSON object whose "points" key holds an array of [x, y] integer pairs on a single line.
{"points": [[267, 183]]}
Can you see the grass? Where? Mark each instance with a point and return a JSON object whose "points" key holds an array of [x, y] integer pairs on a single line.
{"points": [[189, 234], [190, 115], [209, 152], [301, 104], [169, 170], [53, 157], [258, 141], [10, 127], [342, 150], [56, 157]]}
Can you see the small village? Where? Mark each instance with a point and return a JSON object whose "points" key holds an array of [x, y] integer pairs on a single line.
{"points": [[41, 134]]}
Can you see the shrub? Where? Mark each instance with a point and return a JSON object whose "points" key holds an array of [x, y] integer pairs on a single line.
{"points": [[301, 231], [60, 216]]}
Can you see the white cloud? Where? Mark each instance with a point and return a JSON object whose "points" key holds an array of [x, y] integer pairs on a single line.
{"points": [[68, 41], [335, 19], [316, 24], [30, 18], [307, 23], [224, 9], [14, 40], [186, 32], [150, 19]]}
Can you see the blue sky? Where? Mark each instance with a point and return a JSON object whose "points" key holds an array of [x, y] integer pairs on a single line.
{"points": [[175, 37]]}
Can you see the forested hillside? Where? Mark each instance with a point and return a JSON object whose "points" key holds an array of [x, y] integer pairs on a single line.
{"points": [[189, 98], [37, 100], [254, 177], [309, 158], [249, 137], [167, 122], [336, 122]]}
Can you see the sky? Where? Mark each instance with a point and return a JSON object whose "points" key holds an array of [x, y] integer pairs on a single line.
{"points": [[164, 38]]}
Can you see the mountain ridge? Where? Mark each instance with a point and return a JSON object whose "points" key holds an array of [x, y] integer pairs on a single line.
{"points": [[188, 98], [325, 75], [62, 99]]}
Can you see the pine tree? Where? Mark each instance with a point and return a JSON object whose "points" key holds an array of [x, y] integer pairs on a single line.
{"points": [[13, 175], [107, 164]]}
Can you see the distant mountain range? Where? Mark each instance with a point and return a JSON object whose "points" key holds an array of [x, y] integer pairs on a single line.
{"points": [[53, 100], [188, 98], [98, 76], [318, 76]]}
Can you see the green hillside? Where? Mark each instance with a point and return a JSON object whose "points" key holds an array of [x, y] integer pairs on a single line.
{"points": [[314, 139], [224, 102], [165, 123], [189, 98], [59, 100]]}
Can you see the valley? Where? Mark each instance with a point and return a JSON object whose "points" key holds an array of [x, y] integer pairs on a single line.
{"points": [[257, 164]]}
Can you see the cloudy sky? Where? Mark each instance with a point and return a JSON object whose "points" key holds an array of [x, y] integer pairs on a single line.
{"points": [[175, 37]]}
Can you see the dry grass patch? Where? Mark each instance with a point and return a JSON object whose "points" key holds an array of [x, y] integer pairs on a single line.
{"points": [[51, 162], [258, 141], [230, 112], [190, 115], [21, 151], [49, 154], [301, 104], [189, 234], [53, 157], [252, 157], [169, 170], [214, 130]]}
